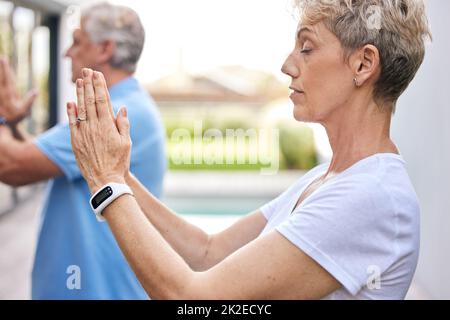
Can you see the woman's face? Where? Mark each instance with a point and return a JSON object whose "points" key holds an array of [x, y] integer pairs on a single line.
{"points": [[322, 82]]}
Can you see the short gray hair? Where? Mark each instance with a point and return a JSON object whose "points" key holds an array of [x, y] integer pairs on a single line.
{"points": [[104, 21], [398, 28]]}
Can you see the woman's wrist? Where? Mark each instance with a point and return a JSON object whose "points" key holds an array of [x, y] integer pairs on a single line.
{"points": [[128, 177], [97, 183]]}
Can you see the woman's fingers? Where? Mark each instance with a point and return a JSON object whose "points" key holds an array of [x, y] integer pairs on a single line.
{"points": [[89, 95], [93, 97], [72, 114], [110, 157], [80, 99], [123, 125], [110, 107], [101, 97]]}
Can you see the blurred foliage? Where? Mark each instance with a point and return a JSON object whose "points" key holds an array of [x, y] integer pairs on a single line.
{"points": [[297, 147]]}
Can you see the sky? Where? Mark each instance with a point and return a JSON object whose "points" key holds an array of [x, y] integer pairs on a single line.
{"points": [[204, 34]]}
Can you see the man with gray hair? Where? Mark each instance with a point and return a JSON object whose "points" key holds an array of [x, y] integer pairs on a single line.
{"points": [[77, 257]]}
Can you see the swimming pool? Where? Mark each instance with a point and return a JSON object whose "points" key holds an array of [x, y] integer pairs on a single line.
{"points": [[214, 205], [213, 214]]}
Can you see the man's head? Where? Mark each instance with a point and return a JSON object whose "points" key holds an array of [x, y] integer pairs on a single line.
{"points": [[109, 37]]}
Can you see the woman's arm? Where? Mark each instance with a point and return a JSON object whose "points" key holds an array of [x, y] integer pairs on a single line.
{"points": [[269, 267], [200, 250]]}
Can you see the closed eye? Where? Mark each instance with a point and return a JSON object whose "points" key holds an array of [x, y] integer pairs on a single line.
{"points": [[305, 50], [305, 44]]}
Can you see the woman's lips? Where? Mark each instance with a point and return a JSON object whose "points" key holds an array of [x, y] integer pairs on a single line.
{"points": [[296, 94]]}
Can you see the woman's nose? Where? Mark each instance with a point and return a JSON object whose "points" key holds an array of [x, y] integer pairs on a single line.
{"points": [[289, 68]]}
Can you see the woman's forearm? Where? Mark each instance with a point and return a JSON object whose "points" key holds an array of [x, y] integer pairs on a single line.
{"points": [[189, 241], [160, 270]]}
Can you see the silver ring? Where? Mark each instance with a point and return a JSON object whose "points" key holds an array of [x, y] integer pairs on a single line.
{"points": [[80, 119]]}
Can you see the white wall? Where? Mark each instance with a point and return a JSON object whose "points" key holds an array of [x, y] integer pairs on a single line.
{"points": [[66, 89], [421, 128]]}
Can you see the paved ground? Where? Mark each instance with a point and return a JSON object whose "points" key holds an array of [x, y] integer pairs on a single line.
{"points": [[17, 243], [18, 232]]}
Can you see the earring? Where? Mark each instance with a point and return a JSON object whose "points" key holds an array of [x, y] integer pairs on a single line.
{"points": [[355, 81]]}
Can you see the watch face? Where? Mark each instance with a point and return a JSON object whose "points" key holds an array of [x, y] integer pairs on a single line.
{"points": [[104, 194]]}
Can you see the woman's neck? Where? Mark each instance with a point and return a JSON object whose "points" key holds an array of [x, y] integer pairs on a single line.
{"points": [[357, 133]]}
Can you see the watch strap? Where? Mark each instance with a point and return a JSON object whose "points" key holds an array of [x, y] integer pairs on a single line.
{"points": [[106, 195]]}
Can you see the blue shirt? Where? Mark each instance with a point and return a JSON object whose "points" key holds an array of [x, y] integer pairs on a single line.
{"points": [[77, 257]]}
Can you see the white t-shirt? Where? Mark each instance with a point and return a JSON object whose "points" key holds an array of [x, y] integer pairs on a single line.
{"points": [[362, 226]]}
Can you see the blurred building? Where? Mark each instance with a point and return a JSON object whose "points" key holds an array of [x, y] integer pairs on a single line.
{"points": [[33, 36], [234, 84]]}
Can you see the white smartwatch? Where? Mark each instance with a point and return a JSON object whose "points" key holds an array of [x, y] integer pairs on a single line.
{"points": [[107, 194]]}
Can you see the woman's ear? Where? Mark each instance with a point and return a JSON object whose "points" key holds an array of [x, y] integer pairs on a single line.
{"points": [[107, 49], [365, 64]]}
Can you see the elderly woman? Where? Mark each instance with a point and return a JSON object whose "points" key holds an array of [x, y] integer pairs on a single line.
{"points": [[346, 229]]}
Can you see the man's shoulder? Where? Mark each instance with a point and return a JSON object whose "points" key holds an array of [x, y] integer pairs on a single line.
{"points": [[130, 93], [138, 98], [140, 106]]}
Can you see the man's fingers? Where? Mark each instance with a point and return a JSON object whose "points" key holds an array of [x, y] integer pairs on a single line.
{"points": [[80, 99], [28, 101], [6, 74], [10, 77], [2, 71], [89, 95], [101, 98], [6, 89]]}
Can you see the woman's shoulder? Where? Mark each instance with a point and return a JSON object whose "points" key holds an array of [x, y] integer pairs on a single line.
{"points": [[384, 171], [381, 179]]}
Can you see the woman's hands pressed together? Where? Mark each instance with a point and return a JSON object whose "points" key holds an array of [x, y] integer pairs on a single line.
{"points": [[101, 142]]}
